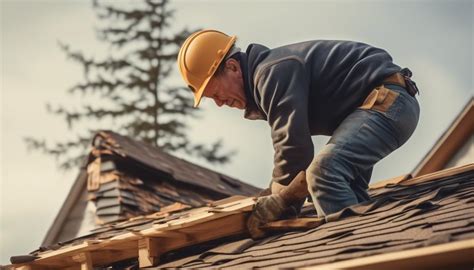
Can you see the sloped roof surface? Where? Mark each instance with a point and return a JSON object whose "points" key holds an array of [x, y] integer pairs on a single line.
{"points": [[178, 169], [410, 214], [397, 218], [128, 197]]}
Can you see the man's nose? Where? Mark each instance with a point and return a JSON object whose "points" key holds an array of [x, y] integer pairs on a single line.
{"points": [[219, 102]]}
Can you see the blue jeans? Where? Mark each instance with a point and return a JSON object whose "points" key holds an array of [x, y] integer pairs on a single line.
{"points": [[340, 173]]}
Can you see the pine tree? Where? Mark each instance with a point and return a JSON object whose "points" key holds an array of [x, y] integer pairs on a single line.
{"points": [[131, 85]]}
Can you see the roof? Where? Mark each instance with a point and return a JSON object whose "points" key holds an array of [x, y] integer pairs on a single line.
{"points": [[141, 180], [173, 168], [449, 143], [71, 200], [406, 215]]}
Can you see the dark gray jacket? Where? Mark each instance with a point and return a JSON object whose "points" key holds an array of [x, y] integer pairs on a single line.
{"points": [[307, 89]]}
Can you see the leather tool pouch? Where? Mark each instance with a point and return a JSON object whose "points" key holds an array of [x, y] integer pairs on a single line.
{"points": [[411, 87], [380, 99]]}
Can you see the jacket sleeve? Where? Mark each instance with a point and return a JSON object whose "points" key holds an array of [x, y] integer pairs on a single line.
{"points": [[284, 90]]}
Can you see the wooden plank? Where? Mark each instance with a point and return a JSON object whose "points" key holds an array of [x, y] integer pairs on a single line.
{"points": [[227, 200], [148, 252], [406, 180], [174, 235], [169, 209], [100, 253], [293, 224], [106, 256], [199, 226], [199, 233], [84, 259], [93, 171], [439, 174], [391, 181], [443, 256], [30, 267], [64, 257], [108, 177], [66, 251]]}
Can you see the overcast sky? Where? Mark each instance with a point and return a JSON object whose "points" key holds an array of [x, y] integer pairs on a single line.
{"points": [[433, 38]]}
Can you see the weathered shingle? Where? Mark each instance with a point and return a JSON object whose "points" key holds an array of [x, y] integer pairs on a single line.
{"points": [[178, 169], [127, 178], [397, 218], [410, 215]]}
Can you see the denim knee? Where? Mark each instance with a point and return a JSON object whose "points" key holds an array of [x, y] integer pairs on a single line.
{"points": [[329, 177]]}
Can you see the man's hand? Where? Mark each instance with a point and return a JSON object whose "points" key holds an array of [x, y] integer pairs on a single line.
{"points": [[275, 206], [267, 209]]}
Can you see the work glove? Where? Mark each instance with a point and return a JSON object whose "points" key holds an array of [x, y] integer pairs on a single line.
{"points": [[268, 209]]}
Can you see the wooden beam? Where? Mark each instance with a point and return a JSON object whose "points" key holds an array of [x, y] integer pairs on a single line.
{"points": [[444, 256], [164, 241], [197, 226], [199, 233], [115, 254], [148, 252], [84, 259]]}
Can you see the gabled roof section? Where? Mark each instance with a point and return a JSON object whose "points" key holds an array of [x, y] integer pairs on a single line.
{"points": [[175, 168], [435, 210], [77, 187], [121, 196], [449, 143]]}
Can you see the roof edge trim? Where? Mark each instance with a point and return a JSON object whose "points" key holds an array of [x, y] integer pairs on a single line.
{"points": [[449, 254], [407, 180], [74, 193]]}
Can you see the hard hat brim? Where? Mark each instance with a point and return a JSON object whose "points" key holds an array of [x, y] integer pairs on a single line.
{"points": [[200, 92]]}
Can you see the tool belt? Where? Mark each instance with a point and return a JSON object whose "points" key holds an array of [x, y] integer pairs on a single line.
{"points": [[381, 97], [403, 79]]}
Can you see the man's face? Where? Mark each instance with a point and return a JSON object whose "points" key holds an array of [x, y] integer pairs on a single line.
{"points": [[227, 88]]}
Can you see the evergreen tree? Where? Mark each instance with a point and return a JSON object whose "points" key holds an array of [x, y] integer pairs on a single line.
{"points": [[130, 83]]}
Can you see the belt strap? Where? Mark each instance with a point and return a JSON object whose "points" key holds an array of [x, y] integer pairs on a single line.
{"points": [[396, 78], [403, 79]]}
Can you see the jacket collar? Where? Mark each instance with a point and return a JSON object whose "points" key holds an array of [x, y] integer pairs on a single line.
{"points": [[252, 110]]}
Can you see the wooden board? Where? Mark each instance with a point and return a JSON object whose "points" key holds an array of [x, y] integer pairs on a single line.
{"points": [[294, 224], [444, 256], [196, 227], [406, 180]]}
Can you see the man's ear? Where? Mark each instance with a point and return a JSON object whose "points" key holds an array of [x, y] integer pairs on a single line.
{"points": [[233, 65]]}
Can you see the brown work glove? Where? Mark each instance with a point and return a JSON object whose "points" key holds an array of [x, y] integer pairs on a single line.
{"points": [[268, 209]]}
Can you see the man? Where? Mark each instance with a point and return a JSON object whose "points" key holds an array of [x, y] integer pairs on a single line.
{"points": [[348, 90]]}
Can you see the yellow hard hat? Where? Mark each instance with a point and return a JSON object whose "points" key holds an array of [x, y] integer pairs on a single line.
{"points": [[200, 56]]}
